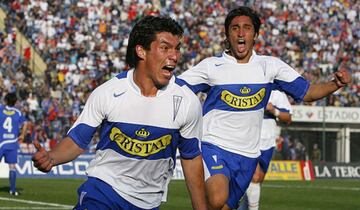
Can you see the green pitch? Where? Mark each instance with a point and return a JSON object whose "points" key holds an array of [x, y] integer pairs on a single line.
{"points": [[275, 195]]}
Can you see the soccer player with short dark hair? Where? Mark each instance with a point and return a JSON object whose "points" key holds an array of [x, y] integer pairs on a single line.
{"points": [[144, 115]]}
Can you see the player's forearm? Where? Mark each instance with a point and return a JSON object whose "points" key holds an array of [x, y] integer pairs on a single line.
{"points": [[318, 91], [67, 150], [194, 177], [285, 117]]}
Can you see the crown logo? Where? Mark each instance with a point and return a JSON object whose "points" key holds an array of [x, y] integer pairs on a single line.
{"points": [[245, 90], [142, 133]]}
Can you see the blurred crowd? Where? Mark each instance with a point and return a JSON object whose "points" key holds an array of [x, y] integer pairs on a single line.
{"points": [[289, 148], [83, 43]]}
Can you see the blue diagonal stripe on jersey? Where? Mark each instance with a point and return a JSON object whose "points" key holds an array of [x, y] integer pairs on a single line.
{"points": [[154, 132], [213, 100]]}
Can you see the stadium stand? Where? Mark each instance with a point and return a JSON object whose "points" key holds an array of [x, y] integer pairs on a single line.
{"points": [[83, 43]]}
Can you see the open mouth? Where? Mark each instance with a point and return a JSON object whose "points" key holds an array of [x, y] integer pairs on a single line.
{"points": [[167, 70], [241, 42], [241, 45]]}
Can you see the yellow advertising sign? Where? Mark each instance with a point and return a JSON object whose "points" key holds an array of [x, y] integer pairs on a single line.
{"points": [[284, 170]]}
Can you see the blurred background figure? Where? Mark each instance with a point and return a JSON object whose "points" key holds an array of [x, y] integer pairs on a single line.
{"points": [[12, 131], [315, 153]]}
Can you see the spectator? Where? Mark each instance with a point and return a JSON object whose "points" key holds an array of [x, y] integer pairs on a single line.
{"points": [[316, 153]]}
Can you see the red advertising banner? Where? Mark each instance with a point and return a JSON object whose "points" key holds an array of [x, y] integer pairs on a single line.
{"points": [[307, 170]]}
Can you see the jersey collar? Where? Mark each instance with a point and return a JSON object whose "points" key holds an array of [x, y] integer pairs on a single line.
{"points": [[136, 88], [233, 59]]}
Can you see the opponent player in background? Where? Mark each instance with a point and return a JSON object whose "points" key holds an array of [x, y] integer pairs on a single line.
{"points": [[238, 85], [277, 109], [145, 115], [12, 131]]}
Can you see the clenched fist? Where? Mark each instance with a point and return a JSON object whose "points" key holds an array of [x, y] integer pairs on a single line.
{"points": [[41, 159]]}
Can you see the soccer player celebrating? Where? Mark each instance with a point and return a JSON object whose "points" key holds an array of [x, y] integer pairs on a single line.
{"points": [[238, 85], [277, 109], [145, 114], [12, 121]]}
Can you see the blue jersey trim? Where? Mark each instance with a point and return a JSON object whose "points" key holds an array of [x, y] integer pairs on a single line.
{"points": [[181, 82], [194, 88], [282, 109], [122, 75], [82, 135], [297, 89], [189, 148]]}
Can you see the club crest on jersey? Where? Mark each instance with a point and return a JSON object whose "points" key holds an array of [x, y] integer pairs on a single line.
{"points": [[139, 147], [243, 102], [142, 133], [176, 104], [245, 90]]}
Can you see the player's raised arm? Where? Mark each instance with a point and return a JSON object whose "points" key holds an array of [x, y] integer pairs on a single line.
{"points": [[67, 150], [318, 91]]}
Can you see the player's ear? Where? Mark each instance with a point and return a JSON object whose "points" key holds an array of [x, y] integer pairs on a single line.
{"points": [[140, 51]]}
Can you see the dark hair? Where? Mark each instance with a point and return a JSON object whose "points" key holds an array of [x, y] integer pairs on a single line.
{"points": [[243, 11], [144, 33], [10, 99]]}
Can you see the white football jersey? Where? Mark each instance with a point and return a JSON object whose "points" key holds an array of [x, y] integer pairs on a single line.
{"points": [[139, 136], [236, 96], [269, 128]]}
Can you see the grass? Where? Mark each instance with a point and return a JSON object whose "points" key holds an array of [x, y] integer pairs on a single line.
{"points": [[276, 195]]}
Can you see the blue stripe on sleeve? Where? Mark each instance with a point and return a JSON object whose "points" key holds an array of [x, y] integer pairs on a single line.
{"points": [[82, 135], [282, 109], [189, 148], [296, 89], [194, 88]]}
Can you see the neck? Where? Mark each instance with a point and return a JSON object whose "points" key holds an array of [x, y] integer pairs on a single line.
{"points": [[145, 84], [242, 59]]}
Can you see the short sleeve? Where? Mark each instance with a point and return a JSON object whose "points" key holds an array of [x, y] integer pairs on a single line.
{"points": [[90, 118], [191, 131]]}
